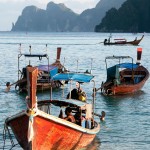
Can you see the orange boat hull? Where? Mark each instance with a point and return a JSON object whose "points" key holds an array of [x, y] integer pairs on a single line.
{"points": [[49, 134], [126, 87]]}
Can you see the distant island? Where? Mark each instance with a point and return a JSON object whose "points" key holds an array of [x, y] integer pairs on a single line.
{"points": [[133, 16], [108, 16], [59, 18]]}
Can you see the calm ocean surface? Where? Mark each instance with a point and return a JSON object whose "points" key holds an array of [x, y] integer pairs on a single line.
{"points": [[127, 122]]}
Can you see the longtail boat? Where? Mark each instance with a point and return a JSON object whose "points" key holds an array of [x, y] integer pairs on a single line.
{"points": [[39, 127], [44, 81], [123, 41], [124, 78]]}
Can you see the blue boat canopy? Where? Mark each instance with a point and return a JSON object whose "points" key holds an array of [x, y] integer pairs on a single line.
{"points": [[113, 72], [127, 65], [80, 77]]}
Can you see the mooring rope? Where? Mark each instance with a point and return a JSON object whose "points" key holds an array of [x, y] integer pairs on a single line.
{"points": [[5, 131]]}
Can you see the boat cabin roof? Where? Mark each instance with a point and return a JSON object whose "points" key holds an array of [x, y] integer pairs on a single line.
{"points": [[117, 57], [63, 103], [40, 56], [35, 55], [127, 65], [80, 77]]}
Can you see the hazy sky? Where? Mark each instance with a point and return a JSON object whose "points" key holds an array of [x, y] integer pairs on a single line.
{"points": [[11, 9]]}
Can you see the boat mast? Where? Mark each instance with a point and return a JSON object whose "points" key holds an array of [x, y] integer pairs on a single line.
{"points": [[91, 65], [93, 103], [77, 65], [30, 49], [19, 55]]}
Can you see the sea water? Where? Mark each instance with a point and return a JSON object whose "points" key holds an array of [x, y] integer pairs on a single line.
{"points": [[127, 122]]}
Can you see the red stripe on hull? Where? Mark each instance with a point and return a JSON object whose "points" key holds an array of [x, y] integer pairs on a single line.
{"points": [[126, 89]]}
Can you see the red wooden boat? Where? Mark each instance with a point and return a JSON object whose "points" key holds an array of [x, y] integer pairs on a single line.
{"points": [[40, 128], [123, 41], [124, 78]]}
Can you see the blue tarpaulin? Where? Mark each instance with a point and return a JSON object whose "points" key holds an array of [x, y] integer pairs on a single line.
{"points": [[53, 72], [46, 67], [80, 77], [127, 65], [113, 72]]}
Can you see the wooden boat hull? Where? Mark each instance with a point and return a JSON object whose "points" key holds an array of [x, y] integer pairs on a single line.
{"points": [[22, 86], [45, 72], [135, 42], [47, 86], [49, 132], [126, 86], [126, 89]]}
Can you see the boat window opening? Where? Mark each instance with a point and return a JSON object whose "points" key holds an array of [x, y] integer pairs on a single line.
{"points": [[63, 91], [77, 117], [70, 89], [86, 123], [80, 117], [49, 109], [45, 108]]}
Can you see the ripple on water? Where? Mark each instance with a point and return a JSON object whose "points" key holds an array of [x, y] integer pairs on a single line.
{"points": [[126, 125]]}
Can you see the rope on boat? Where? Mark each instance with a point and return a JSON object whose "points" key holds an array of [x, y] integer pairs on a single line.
{"points": [[5, 132], [31, 113]]}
